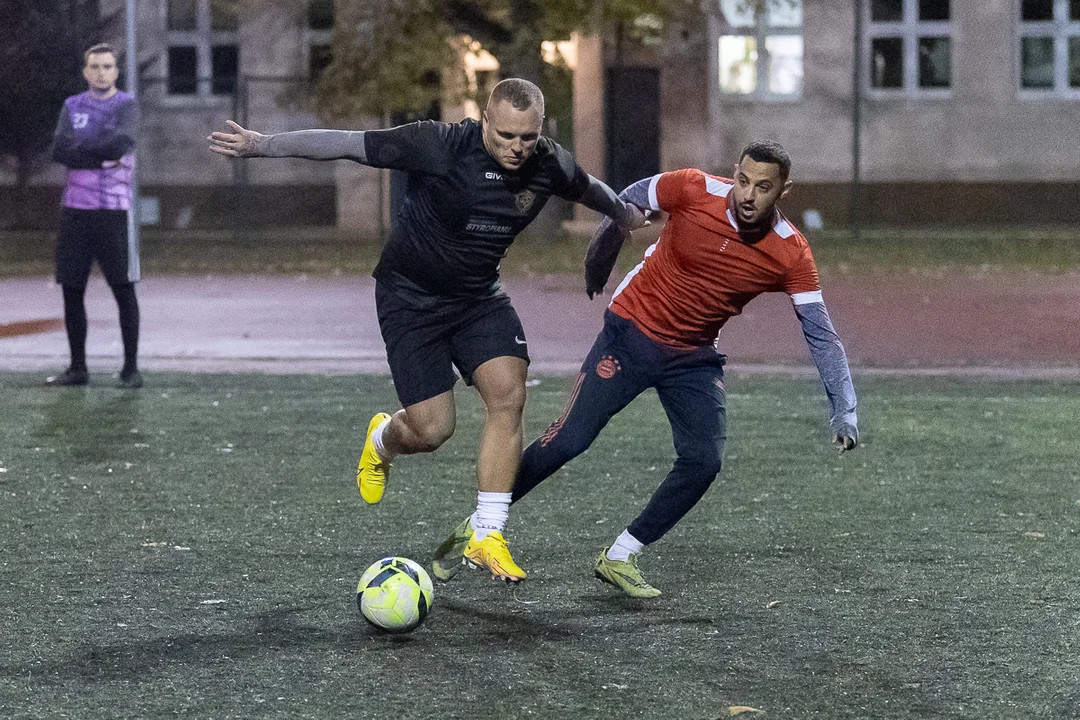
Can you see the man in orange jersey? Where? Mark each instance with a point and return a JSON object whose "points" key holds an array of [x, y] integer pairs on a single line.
{"points": [[724, 244]]}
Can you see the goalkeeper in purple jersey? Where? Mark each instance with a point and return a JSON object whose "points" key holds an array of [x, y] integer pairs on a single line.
{"points": [[95, 139]]}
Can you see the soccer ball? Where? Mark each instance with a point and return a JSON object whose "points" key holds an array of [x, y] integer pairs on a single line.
{"points": [[394, 594]]}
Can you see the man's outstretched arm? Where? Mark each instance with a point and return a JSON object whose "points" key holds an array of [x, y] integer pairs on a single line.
{"points": [[609, 238], [831, 361], [309, 144], [601, 198]]}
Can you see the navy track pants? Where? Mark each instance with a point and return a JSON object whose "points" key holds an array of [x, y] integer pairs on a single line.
{"points": [[622, 364]]}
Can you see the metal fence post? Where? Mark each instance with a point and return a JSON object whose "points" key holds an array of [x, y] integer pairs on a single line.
{"points": [[856, 124], [131, 69]]}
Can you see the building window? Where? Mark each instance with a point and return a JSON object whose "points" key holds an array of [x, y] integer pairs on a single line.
{"points": [[203, 54], [760, 50], [909, 45], [224, 67], [320, 15], [319, 58], [1050, 46], [320, 29], [183, 72]]}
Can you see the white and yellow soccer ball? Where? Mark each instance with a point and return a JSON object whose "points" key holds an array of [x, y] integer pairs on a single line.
{"points": [[394, 594]]}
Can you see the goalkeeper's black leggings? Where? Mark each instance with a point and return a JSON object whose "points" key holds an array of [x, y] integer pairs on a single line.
{"points": [[75, 323], [623, 363]]}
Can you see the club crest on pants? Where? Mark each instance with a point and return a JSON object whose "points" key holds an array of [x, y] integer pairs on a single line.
{"points": [[607, 367]]}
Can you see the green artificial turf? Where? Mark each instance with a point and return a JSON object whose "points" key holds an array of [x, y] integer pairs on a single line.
{"points": [[328, 251], [192, 548]]}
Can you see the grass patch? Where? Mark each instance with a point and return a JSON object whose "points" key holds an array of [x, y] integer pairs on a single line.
{"points": [[1051, 250], [193, 547], [328, 251]]}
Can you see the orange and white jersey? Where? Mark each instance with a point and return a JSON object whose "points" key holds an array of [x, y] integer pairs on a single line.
{"points": [[699, 273]]}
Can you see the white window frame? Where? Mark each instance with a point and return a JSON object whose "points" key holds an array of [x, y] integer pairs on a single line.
{"points": [[1059, 29], [203, 38], [759, 31], [910, 29]]}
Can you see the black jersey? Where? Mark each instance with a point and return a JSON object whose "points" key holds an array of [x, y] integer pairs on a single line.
{"points": [[462, 209]]}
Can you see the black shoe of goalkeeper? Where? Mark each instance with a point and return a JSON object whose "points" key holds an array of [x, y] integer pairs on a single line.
{"points": [[69, 378]]}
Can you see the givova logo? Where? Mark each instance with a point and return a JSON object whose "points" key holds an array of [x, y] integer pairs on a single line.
{"points": [[493, 175]]}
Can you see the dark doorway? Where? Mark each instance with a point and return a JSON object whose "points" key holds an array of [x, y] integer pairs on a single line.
{"points": [[632, 125]]}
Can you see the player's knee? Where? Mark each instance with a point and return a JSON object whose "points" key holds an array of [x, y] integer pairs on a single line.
{"points": [[703, 462], [510, 401], [432, 436]]}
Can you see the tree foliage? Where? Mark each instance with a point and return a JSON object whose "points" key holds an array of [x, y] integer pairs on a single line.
{"points": [[41, 59], [387, 52]]}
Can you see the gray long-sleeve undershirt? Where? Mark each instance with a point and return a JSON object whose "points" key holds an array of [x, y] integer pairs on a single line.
{"points": [[832, 365], [315, 145]]}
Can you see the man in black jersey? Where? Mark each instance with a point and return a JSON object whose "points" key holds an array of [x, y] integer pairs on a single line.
{"points": [[472, 187]]}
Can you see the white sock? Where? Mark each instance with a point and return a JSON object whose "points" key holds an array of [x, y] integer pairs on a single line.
{"points": [[492, 510], [377, 441], [625, 546]]}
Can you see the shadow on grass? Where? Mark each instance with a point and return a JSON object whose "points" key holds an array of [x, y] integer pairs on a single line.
{"points": [[93, 429], [463, 624], [142, 661]]}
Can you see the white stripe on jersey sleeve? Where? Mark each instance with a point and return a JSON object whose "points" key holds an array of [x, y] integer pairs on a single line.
{"points": [[783, 229], [717, 188], [805, 298], [654, 204]]}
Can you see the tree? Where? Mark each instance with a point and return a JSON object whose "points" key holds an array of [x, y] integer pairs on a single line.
{"points": [[387, 56], [387, 52], [41, 59]]}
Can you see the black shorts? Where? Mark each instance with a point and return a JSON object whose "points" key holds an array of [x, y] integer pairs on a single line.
{"points": [[425, 341], [88, 235]]}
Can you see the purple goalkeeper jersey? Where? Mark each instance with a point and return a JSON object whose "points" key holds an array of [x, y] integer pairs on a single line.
{"points": [[95, 139]]}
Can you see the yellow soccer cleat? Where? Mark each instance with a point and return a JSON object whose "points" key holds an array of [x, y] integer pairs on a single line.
{"points": [[493, 553], [371, 471], [625, 575]]}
